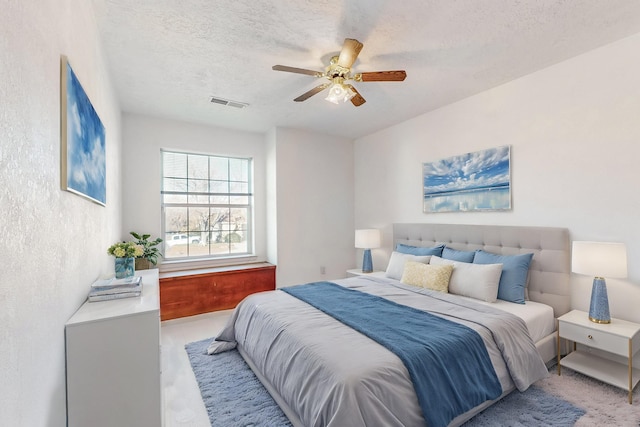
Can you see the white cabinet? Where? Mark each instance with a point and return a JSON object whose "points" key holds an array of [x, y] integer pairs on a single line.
{"points": [[113, 361]]}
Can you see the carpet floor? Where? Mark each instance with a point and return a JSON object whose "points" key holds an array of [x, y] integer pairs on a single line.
{"points": [[233, 396]]}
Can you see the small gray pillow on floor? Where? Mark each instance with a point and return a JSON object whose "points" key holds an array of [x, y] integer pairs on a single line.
{"points": [[221, 346]]}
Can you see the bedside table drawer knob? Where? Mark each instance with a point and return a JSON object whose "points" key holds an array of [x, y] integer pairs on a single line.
{"points": [[590, 337]]}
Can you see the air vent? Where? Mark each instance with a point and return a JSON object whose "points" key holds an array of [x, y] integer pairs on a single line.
{"points": [[228, 103]]}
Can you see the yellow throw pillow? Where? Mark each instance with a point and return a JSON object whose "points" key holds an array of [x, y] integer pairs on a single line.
{"points": [[434, 277]]}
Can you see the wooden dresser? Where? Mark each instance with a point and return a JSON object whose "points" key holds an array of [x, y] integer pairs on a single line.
{"points": [[186, 293]]}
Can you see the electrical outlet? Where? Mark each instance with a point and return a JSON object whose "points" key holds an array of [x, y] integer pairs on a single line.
{"points": [[323, 270]]}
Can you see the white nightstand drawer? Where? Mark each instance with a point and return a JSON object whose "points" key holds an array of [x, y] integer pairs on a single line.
{"points": [[595, 338]]}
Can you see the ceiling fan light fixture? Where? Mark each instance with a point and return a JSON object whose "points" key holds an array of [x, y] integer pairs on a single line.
{"points": [[336, 93], [350, 94], [339, 92]]}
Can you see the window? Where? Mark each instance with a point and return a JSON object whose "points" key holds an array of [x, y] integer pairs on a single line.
{"points": [[207, 205]]}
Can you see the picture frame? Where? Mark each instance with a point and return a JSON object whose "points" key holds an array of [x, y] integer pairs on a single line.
{"points": [[82, 140], [471, 182]]}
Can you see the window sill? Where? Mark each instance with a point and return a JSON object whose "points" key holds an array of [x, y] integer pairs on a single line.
{"points": [[215, 270], [186, 265]]}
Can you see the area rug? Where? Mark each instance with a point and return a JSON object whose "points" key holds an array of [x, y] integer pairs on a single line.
{"points": [[534, 407], [233, 396]]}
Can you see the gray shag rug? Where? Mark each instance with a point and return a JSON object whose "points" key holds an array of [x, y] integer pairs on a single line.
{"points": [[233, 396]]}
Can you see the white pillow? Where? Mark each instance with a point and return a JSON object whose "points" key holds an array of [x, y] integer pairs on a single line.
{"points": [[470, 281], [395, 268]]}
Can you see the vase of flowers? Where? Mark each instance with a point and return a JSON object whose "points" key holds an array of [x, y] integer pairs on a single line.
{"points": [[150, 249], [125, 253]]}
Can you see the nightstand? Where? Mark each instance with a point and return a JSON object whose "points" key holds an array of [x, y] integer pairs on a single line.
{"points": [[358, 272], [619, 337]]}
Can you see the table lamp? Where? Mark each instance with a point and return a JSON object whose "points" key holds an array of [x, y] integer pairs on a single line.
{"points": [[599, 259], [367, 239]]}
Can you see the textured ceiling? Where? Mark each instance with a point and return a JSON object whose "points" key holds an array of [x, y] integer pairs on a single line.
{"points": [[168, 57]]}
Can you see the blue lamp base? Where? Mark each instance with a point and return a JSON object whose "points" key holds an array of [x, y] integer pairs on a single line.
{"points": [[367, 263], [599, 308]]}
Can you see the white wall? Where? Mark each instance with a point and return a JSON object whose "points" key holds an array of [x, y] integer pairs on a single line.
{"points": [[314, 193], [574, 131], [53, 242], [303, 187], [144, 137], [272, 196]]}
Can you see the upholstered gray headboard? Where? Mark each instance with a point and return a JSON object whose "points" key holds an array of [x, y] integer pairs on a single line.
{"points": [[550, 267]]}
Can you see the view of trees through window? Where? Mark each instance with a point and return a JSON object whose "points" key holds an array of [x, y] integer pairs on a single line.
{"points": [[207, 205]]}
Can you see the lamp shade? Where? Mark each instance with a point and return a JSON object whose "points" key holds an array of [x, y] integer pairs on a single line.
{"points": [[599, 259], [368, 238]]}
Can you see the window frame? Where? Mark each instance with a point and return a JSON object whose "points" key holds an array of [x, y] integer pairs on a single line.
{"points": [[249, 206]]}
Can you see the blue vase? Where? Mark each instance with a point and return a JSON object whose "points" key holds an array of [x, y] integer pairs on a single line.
{"points": [[599, 307], [367, 263], [125, 267]]}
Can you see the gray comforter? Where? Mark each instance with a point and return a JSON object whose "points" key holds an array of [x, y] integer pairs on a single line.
{"points": [[327, 374]]}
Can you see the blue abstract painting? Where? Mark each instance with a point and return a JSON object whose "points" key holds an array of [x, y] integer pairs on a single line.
{"points": [[83, 141], [479, 181]]}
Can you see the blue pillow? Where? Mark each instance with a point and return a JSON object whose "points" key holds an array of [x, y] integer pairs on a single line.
{"points": [[515, 269], [456, 255], [419, 251]]}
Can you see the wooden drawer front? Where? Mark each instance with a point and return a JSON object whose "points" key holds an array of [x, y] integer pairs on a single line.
{"points": [[190, 295], [595, 338]]}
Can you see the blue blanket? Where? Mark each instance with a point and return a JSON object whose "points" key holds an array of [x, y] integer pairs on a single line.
{"points": [[448, 363]]}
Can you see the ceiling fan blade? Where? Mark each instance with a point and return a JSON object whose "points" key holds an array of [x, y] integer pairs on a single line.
{"points": [[384, 76], [296, 70], [357, 100], [350, 50], [312, 92]]}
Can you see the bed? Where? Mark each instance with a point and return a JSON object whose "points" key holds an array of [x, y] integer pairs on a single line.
{"points": [[324, 373]]}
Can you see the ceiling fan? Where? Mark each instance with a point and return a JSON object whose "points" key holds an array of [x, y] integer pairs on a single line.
{"points": [[339, 71]]}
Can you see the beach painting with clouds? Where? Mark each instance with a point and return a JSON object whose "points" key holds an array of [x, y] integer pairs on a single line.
{"points": [[479, 181], [83, 153]]}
